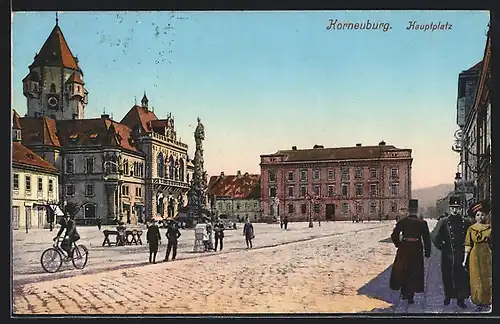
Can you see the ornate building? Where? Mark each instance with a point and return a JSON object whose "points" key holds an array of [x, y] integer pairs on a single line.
{"points": [[35, 184], [236, 197], [130, 170], [336, 183]]}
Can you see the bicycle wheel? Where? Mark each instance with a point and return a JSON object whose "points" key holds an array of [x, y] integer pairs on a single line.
{"points": [[79, 256], [51, 260]]}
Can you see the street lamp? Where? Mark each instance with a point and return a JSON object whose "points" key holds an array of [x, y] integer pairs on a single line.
{"points": [[311, 198]]}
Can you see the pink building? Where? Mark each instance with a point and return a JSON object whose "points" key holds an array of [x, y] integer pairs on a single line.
{"points": [[336, 183]]}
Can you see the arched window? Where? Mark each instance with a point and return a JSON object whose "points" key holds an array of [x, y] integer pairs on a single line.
{"points": [[90, 210], [181, 170], [171, 167], [52, 87], [160, 166]]}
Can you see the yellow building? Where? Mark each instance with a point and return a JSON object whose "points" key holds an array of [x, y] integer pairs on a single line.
{"points": [[35, 184]]}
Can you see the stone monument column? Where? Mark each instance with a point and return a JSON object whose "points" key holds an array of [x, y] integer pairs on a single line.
{"points": [[111, 192]]}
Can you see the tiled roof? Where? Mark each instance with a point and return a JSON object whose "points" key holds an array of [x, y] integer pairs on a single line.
{"points": [[246, 186], [340, 153], [75, 78], [15, 120], [39, 131], [24, 156], [77, 132], [32, 76], [138, 115], [55, 52]]}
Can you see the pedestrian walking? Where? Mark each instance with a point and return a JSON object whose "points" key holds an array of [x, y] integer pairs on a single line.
{"points": [[99, 223], [408, 269], [449, 237], [173, 235], [153, 237], [285, 221], [219, 235], [478, 249], [249, 233]]}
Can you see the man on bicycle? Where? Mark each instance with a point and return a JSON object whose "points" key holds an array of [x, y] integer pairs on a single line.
{"points": [[67, 223]]}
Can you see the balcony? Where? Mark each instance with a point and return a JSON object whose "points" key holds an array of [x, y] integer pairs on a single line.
{"points": [[170, 183], [111, 177], [167, 140]]}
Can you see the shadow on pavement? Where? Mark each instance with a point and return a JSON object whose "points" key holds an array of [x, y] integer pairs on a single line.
{"points": [[378, 288], [386, 240]]}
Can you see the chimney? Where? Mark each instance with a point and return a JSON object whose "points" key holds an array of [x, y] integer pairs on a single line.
{"points": [[105, 116], [294, 148], [359, 144], [238, 174], [222, 174], [381, 143]]}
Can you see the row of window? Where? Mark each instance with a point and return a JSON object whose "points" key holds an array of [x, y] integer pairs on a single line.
{"points": [[137, 168], [331, 190], [316, 208], [174, 168], [316, 175], [228, 205], [27, 181], [90, 192]]}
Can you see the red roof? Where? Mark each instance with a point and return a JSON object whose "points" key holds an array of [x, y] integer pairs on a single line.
{"points": [[138, 115], [76, 132], [15, 120], [245, 186], [39, 131], [55, 52], [75, 78], [340, 153], [24, 156]]}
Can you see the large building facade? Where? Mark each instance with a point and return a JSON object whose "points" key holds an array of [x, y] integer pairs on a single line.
{"points": [[130, 170], [336, 183], [35, 185], [236, 197], [474, 134]]}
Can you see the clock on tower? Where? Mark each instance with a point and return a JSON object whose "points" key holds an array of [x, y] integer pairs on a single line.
{"points": [[53, 101]]}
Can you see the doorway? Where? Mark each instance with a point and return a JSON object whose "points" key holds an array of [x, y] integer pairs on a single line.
{"points": [[330, 212], [40, 216], [28, 217]]}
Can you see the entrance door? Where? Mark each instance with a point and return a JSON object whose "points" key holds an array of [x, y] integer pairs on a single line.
{"points": [[28, 217], [16, 217], [40, 217], [330, 212]]}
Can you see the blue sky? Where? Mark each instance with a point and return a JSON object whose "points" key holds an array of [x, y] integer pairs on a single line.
{"points": [[263, 81]]}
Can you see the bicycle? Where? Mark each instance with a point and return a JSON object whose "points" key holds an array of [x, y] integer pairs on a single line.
{"points": [[53, 258]]}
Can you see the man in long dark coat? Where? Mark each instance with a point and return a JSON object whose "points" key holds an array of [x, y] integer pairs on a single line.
{"points": [[449, 237], [408, 268]]}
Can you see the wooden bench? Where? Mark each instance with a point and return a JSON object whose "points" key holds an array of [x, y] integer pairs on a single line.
{"points": [[133, 237], [120, 240]]}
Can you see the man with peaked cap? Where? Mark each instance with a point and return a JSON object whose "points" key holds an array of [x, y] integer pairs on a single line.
{"points": [[408, 268], [449, 237]]}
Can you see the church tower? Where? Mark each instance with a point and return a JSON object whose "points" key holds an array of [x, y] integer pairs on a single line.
{"points": [[54, 85]]}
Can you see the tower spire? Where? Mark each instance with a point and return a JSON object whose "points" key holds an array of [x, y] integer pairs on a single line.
{"points": [[57, 18]]}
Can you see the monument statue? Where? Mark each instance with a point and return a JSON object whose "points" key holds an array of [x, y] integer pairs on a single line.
{"points": [[160, 205], [197, 191]]}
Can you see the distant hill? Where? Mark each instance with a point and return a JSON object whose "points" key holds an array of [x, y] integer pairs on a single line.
{"points": [[428, 196]]}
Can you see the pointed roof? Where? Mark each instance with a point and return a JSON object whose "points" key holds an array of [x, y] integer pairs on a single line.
{"points": [[139, 116], [55, 52], [75, 78], [39, 131], [144, 98], [23, 156], [15, 120]]}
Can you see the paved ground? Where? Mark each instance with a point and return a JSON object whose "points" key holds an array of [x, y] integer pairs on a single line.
{"points": [[27, 248], [340, 267]]}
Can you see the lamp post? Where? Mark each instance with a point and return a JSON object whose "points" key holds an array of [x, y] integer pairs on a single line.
{"points": [[311, 198]]}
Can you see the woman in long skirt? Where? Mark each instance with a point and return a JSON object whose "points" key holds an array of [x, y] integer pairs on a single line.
{"points": [[478, 247]]}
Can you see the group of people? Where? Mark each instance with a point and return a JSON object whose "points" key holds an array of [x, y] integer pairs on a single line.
{"points": [[154, 240], [209, 232], [466, 259]]}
